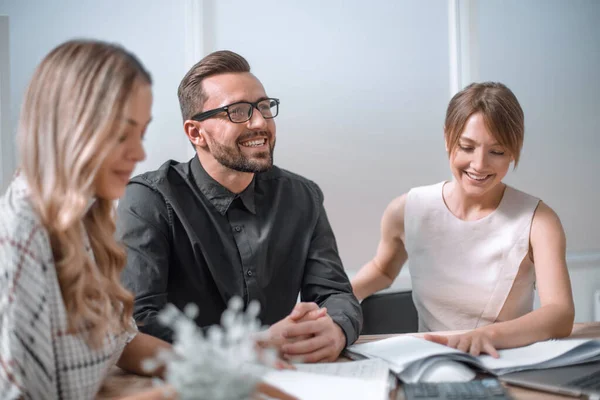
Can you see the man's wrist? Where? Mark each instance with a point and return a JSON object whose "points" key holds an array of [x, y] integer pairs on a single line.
{"points": [[344, 323], [341, 338]]}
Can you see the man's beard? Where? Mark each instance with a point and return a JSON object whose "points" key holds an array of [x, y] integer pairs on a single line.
{"points": [[233, 158]]}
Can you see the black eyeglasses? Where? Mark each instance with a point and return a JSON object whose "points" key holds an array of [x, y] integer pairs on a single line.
{"points": [[242, 111]]}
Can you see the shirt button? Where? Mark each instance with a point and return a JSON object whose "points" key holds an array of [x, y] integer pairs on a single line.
{"points": [[238, 228], [249, 273]]}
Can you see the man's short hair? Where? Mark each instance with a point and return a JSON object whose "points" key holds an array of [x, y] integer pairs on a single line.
{"points": [[190, 92]]}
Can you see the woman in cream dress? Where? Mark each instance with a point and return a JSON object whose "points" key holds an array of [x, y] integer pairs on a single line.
{"points": [[477, 248]]}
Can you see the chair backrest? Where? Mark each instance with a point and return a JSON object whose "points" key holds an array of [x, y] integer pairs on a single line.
{"points": [[389, 313]]}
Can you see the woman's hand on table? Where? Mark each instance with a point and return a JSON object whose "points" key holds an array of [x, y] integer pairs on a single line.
{"points": [[474, 342]]}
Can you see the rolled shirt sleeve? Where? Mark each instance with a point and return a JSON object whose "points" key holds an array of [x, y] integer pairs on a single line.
{"points": [[325, 281]]}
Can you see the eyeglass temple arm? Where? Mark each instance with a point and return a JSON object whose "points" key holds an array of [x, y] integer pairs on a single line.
{"points": [[208, 114]]}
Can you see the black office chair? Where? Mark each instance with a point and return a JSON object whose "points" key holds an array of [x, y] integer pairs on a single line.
{"points": [[389, 313]]}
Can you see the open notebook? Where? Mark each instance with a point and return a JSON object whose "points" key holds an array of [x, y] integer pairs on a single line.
{"points": [[412, 358]]}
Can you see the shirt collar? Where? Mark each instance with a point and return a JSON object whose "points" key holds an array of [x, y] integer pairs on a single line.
{"points": [[220, 197]]}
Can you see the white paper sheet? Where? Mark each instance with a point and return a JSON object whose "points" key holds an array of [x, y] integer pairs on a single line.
{"points": [[366, 369], [310, 386]]}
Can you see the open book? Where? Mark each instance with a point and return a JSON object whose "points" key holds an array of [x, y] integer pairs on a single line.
{"points": [[412, 358]]}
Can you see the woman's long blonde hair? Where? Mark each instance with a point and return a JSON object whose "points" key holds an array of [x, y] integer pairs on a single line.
{"points": [[70, 120]]}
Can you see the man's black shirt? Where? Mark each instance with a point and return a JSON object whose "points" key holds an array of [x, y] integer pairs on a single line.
{"points": [[191, 240]]}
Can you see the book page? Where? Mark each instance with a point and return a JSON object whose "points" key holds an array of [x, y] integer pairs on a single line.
{"points": [[543, 355], [401, 351], [408, 356]]}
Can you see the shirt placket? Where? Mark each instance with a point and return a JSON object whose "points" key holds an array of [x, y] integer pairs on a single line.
{"points": [[242, 230]]}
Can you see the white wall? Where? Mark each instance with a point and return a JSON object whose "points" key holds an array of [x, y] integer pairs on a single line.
{"points": [[548, 52], [6, 162], [153, 30]]}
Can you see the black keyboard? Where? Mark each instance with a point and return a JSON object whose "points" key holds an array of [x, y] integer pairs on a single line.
{"points": [[473, 390], [591, 381]]}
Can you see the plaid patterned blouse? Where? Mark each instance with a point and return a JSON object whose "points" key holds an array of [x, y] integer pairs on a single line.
{"points": [[38, 360]]}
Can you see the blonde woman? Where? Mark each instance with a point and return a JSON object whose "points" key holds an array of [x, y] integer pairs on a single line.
{"points": [[477, 248], [65, 319]]}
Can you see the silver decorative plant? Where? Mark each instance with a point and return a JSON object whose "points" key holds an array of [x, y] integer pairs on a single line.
{"points": [[224, 364]]}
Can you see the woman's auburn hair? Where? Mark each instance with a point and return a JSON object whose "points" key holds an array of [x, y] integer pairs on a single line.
{"points": [[501, 112], [70, 121]]}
